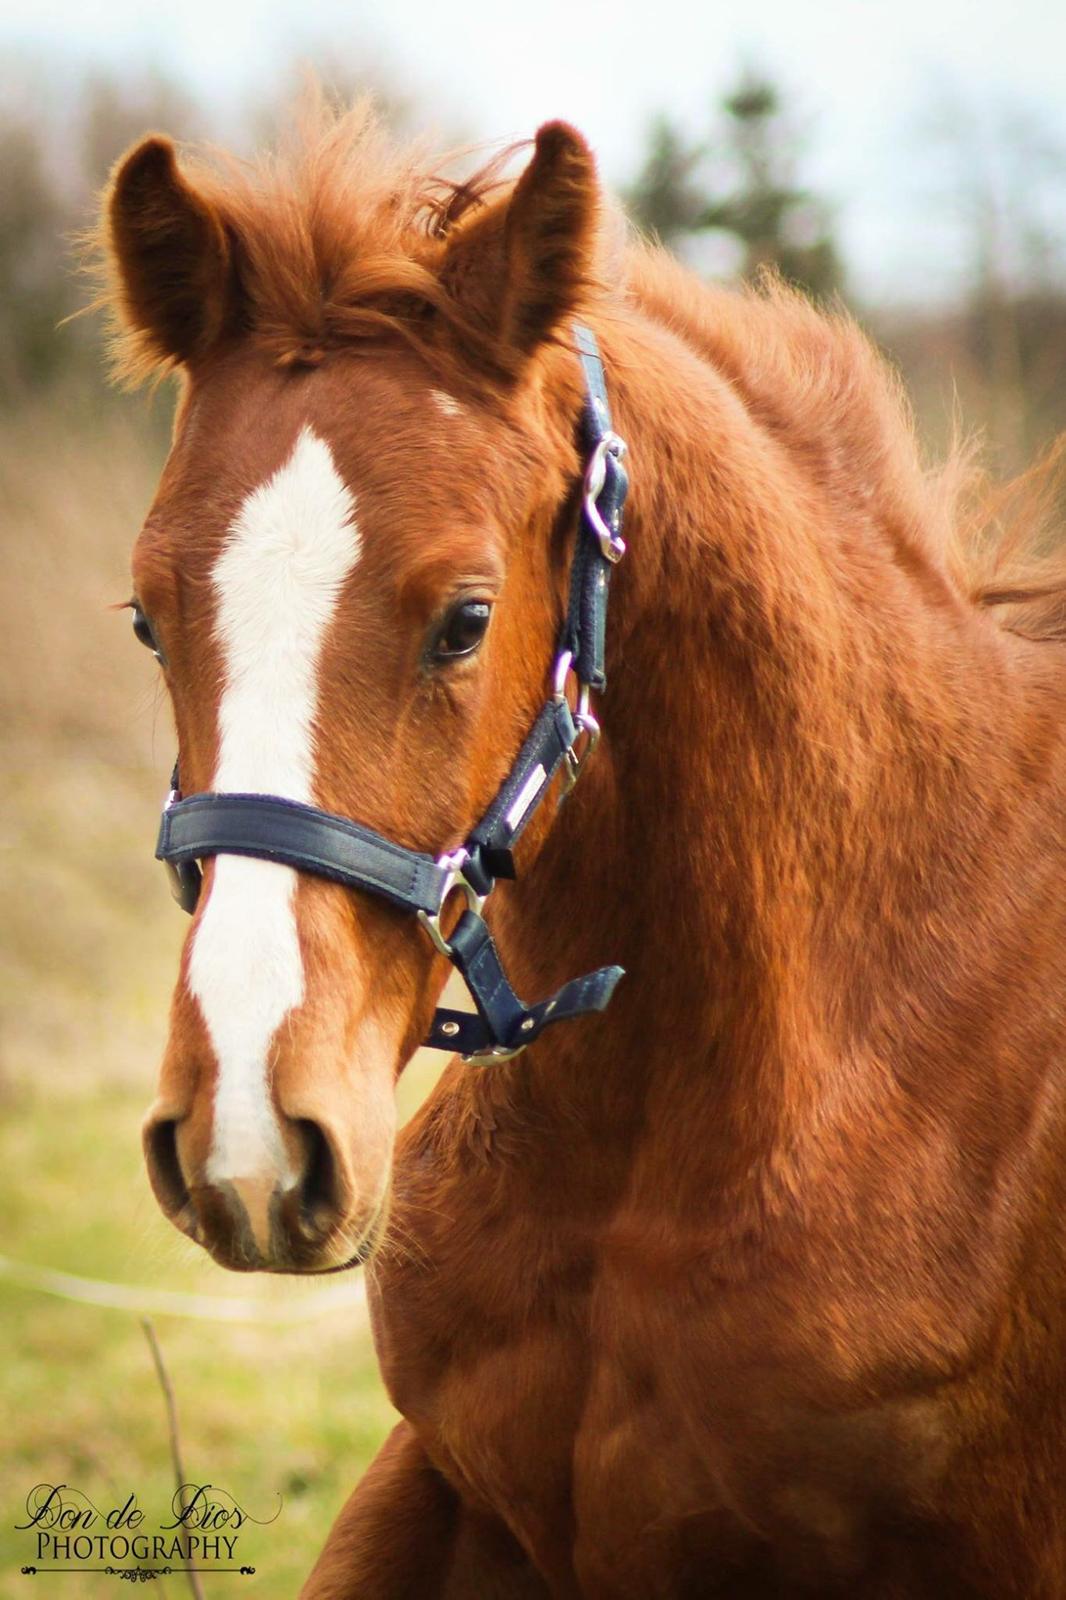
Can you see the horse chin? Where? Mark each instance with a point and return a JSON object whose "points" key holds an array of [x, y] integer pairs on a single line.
{"points": [[295, 1248], [363, 1252]]}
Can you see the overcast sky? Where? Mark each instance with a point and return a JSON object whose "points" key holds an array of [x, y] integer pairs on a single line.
{"points": [[869, 77]]}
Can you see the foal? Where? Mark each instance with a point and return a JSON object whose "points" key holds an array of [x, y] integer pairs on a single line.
{"points": [[753, 1285]]}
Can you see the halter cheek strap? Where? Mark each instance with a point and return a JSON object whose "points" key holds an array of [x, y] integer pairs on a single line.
{"points": [[344, 851]]}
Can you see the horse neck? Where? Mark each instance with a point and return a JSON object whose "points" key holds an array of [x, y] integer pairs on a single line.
{"points": [[793, 819]]}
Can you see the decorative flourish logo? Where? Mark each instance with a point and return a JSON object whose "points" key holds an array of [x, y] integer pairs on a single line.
{"points": [[72, 1533]]}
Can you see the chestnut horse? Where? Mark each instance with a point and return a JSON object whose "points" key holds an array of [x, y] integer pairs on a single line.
{"points": [[753, 1284]]}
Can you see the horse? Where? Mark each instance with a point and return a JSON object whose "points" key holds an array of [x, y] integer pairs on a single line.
{"points": [[749, 1283]]}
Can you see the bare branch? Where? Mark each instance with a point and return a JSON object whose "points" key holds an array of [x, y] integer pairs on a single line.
{"points": [[175, 1439]]}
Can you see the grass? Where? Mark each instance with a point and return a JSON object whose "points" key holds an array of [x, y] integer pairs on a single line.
{"points": [[290, 1414], [88, 942], [267, 1413]]}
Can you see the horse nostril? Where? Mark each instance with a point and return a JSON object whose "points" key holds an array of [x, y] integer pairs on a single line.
{"points": [[164, 1169], [321, 1200]]}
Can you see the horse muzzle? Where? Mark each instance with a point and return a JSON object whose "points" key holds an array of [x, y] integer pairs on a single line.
{"points": [[307, 1216]]}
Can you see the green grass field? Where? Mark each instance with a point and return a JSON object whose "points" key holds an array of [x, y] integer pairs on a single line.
{"points": [[266, 1412], [88, 942]]}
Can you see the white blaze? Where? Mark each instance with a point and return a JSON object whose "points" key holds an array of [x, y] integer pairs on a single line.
{"points": [[277, 582]]}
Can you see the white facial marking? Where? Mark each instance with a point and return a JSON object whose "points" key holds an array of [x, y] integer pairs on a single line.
{"points": [[276, 582], [445, 403]]}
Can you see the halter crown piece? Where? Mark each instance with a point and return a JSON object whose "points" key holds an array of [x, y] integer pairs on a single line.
{"points": [[346, 852]]}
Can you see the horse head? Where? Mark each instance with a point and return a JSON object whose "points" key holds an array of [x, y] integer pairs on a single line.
{"points": [[352, 575]]}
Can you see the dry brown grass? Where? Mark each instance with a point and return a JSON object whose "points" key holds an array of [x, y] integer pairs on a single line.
{"points": [[87, 744]]}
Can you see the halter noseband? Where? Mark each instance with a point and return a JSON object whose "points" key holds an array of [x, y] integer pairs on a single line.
{"points": [[346, 852]]}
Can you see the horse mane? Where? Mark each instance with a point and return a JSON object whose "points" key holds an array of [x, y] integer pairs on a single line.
{"points": [[816, 382], [342, 232]]}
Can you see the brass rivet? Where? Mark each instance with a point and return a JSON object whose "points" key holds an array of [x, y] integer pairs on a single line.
{"points": [[525, 1027], [449, 1029]]}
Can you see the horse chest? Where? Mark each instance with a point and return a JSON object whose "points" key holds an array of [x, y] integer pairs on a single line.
{"points": [[691, 1483], [638, 1441], [492, 1372]]}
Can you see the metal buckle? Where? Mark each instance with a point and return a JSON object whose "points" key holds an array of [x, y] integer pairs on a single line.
{"points": [[612, 545], [498, 1052], [588, 725], [583, 717], [501, 1052], [453, 865]]}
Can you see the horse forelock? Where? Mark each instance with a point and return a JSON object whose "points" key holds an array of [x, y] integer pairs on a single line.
{"points": [[339, 236]]}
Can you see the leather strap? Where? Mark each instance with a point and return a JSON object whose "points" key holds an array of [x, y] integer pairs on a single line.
{"points": [[491, 841], [503, 1023], [585, 629], [303, 837]]}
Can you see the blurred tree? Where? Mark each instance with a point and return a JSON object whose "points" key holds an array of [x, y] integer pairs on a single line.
{"points": [[996, 175], [1011, 198], [34, 291], [779, 223], [666, 198], [60, 132], [56, 147], [113, 113], [740, 182], [341, 81]]}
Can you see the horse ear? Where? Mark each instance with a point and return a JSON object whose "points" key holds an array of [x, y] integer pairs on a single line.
{"points": [[170, 253], [524, 267]]}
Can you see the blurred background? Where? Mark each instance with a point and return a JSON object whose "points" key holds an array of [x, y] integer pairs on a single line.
{"points": [[908, 159]]}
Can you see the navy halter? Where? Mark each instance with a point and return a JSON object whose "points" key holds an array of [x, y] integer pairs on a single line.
{"points": [[346, 852]]}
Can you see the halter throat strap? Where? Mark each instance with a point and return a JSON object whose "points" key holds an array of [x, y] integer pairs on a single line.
{"points": [[327, 845]]}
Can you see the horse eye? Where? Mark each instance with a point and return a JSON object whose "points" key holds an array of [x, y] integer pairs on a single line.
{"points": [[462, 630], [142, 629]]}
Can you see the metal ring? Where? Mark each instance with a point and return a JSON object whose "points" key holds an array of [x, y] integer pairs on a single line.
{"points": [[612, 545], [587, 723], [564, 664], [452, 865], [612, 444], [583, 718]]}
